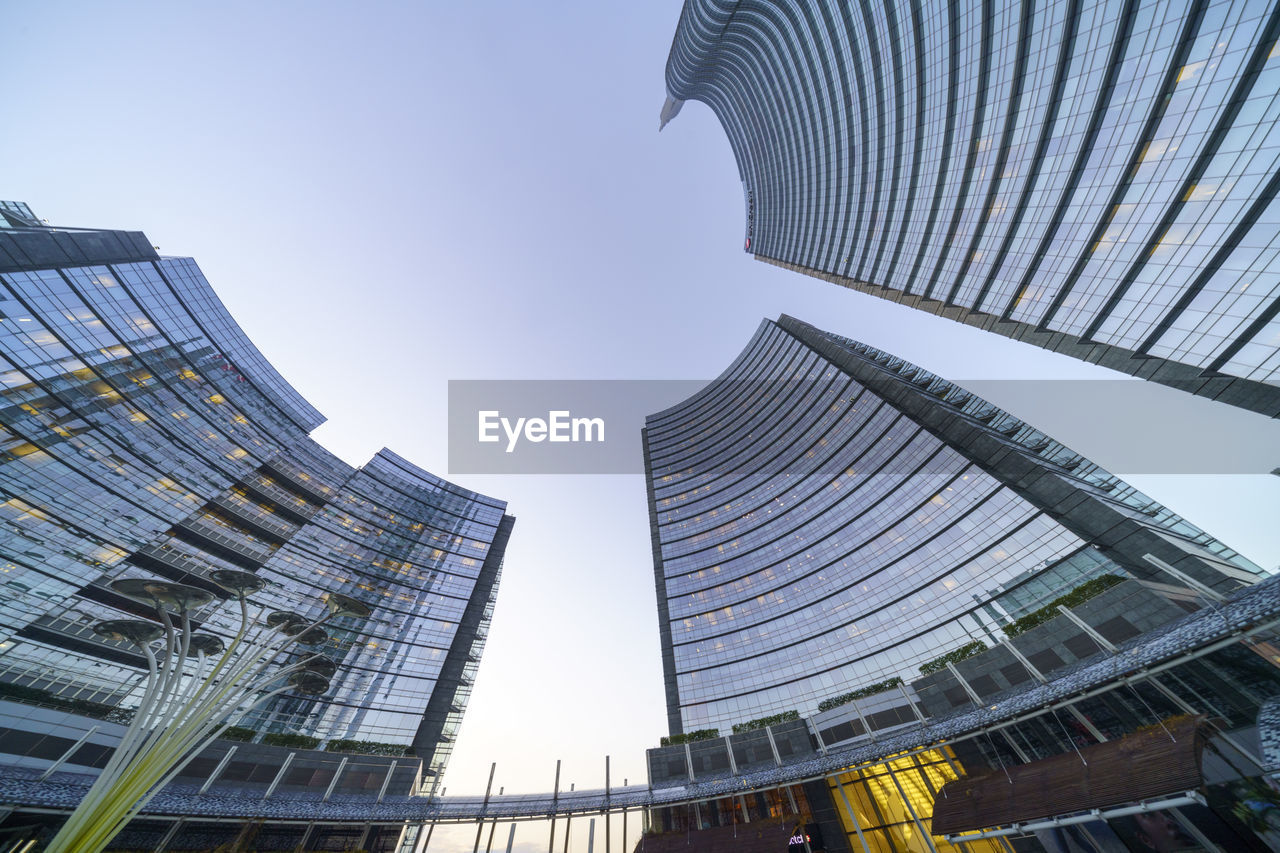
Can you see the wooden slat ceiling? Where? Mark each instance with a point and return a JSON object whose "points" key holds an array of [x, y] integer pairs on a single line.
{"points": [[1153, 762]]}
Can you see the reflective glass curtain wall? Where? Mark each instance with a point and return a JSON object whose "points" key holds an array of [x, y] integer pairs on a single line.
{"points": [[1099, 179], [143, 434], [827, 517]]}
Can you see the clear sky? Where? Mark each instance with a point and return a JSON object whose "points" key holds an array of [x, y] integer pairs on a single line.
{"points": [[391, 195]]}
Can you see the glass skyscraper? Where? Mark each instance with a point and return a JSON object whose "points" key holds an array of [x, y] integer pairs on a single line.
{"points": [[144, 435], [827, 518], [1098, 179]]}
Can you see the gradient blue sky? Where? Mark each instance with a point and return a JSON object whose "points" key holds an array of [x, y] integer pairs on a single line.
{"points": [[392, 195]]}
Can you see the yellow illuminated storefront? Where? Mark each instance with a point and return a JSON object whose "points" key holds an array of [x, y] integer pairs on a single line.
{"points": [[893, 802]]}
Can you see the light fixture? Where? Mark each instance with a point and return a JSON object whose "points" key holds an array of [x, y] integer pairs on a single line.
{"points": [[195, 686]]}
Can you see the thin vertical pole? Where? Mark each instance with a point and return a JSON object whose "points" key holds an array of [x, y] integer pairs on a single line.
{"points": [[333, 783], [1182, 703], [217, 771], [493, 766], [555, 800], [773, 747], [591, 836], [567, 819], [606, 804], [928, 839], [1206, 591], [382, 792], [489, 788], [817, 735], [945, 752], [1102, 641], [1191, 829], [866, 724], [968, 688], [70, 752], [302, 845], [284, 768], [911, 702], [511, 838], [853, 818], [168, 836]]}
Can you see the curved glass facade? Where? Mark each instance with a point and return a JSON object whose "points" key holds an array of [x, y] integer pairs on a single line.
{"points": [[1099, 179], [827, 517], [144, 434]]}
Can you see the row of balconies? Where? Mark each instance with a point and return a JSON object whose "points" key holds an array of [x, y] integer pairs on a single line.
{"points": [[286, 501], [274, 527]]}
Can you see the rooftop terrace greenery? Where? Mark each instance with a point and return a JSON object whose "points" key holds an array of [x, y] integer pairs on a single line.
{"points": [[37, 696], [690, 737], [968, 650], [240, 733], [290, 740], [1079, 595], [765, 722], [860, 693], [366, 747]]}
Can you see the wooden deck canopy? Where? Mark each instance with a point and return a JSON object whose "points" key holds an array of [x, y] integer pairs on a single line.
{"points": [[1153, 762]]}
